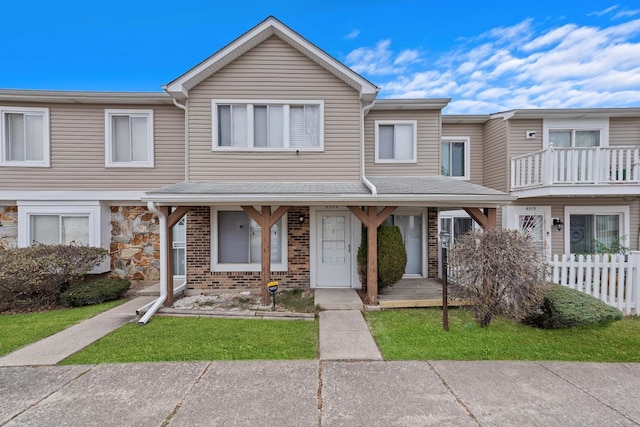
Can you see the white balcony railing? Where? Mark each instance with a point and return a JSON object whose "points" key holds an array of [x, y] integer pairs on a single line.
{"points": [[562, 166]]}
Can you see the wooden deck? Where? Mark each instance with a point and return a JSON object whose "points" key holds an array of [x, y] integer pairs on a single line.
{"points": [[418, 292]]}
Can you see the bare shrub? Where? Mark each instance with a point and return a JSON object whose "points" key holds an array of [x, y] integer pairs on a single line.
{"points": [[34, 276], [500, 272]]}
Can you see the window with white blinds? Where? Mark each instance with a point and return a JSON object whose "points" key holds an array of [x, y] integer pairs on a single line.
{"points": [[238, 242], [24, 136], [395, 142], [272, 125], [129, 138], [59, 229]]}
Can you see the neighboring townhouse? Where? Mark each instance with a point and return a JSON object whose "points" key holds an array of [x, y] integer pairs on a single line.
{"points": [[271, 132]]}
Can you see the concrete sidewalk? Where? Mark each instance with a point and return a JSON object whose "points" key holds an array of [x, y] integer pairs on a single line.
{"points": [[324, 393], [58, 347]]}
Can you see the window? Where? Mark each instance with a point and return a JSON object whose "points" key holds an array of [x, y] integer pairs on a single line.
{"points": [[129, 138], [59, 229], [576, 133], [456, 225], [395, 142], [596, 229], [237, 244], [454, 157], [24, 136], [566, 138], [295, 125], [179, 237]]}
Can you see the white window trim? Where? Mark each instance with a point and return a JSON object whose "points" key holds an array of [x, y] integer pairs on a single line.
{"points": [[414, 123], [99, 222], [108, 147], [467, 154], [256, 266], [249, 103], [623, 211], [46, 162], [601, 124]]}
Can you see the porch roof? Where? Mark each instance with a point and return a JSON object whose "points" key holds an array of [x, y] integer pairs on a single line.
{"points": [[432, 191]]}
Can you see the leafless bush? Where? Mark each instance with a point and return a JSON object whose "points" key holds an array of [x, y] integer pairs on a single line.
{"points": [[35, 276], [500, 272]]}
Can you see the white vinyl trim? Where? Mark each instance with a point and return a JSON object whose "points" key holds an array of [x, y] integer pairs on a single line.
{"points": [[46, 149], [467, 154], [109, 147]]}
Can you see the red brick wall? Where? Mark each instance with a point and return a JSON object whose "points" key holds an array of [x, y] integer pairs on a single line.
{"points": [[432, 242], [200, 278]]}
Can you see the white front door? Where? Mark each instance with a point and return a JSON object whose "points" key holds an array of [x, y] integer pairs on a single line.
{"points": [[534, 221], [333, 249]]}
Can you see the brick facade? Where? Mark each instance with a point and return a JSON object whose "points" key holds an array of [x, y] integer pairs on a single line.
{"points": [[200, 278]]}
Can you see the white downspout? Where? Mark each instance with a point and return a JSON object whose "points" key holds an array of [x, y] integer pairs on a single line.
{"points": [[155, 305], [186, 137], [369, 184]]}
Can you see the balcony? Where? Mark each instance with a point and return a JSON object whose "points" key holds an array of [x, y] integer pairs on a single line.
{"points": [[577, 171]]}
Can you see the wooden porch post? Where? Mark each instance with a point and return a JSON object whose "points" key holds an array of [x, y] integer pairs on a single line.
{"points": [[173, 217], [372, 220], [265, 220], [486, 219]]}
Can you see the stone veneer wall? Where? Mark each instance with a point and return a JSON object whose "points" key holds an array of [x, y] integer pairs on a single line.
{"points": [[8, 227], [432, 243], [200, 278], [135, 243]]}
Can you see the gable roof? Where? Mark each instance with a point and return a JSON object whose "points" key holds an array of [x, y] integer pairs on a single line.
{"points": [[180, 87]]}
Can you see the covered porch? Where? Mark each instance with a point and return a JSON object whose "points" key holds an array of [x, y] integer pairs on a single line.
{"points": [[417, 292]]}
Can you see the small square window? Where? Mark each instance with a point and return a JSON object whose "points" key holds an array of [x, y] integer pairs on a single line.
{"points": [[129, 138], [395, 142], [24, 137]]}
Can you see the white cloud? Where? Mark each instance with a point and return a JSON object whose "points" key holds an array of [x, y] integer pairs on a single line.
{"points": [[353, 34], [604, 11], [522, 66]]}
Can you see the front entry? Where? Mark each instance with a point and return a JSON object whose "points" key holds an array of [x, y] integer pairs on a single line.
{"points": [[333, 249]]}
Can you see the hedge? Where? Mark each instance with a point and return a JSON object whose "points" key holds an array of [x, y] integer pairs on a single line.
{"points": [[564, 308], [95, 292]]}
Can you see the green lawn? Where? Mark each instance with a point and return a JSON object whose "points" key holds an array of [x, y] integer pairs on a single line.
{"points": [[18, 330], [184, 338], [416, 334]]}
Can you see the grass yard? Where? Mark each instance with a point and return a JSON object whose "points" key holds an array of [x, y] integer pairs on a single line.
{"points": [[188, 339], [416, 334], [18, 330]]}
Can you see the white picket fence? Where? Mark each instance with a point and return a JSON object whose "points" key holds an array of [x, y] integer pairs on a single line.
{"points": [[614, 279]]}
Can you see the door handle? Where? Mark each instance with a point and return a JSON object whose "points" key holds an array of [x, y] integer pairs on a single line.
{"points": [[349, 248]]}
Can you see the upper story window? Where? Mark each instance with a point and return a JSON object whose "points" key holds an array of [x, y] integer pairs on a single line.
{"points": [[24, 136], [454, 157], [576, 133], [395, 141], [272, 125], [129, 138]]}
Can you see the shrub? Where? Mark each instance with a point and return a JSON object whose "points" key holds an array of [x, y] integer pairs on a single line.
{"points": [[95, 292], [501, 272], [392, 256], [34, 276], [563, 307]]}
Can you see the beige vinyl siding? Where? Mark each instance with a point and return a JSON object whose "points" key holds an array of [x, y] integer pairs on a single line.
{"points": [[496, 155], [275, 71], [624, 131], [475, 133], [77, 146], [428, 148], [558, 210]]}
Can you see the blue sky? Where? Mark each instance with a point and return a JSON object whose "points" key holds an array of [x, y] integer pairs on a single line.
{"points": [[486, 56]]}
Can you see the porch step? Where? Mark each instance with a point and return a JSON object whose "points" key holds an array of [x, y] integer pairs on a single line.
{"points": [[337, 299]]}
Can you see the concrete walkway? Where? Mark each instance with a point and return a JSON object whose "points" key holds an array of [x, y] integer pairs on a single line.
{"points": [[58, 347], [344, 335], [322, 393]]}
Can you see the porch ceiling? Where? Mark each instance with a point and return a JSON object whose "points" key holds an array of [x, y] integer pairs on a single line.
{"points": [[404, 191]]}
